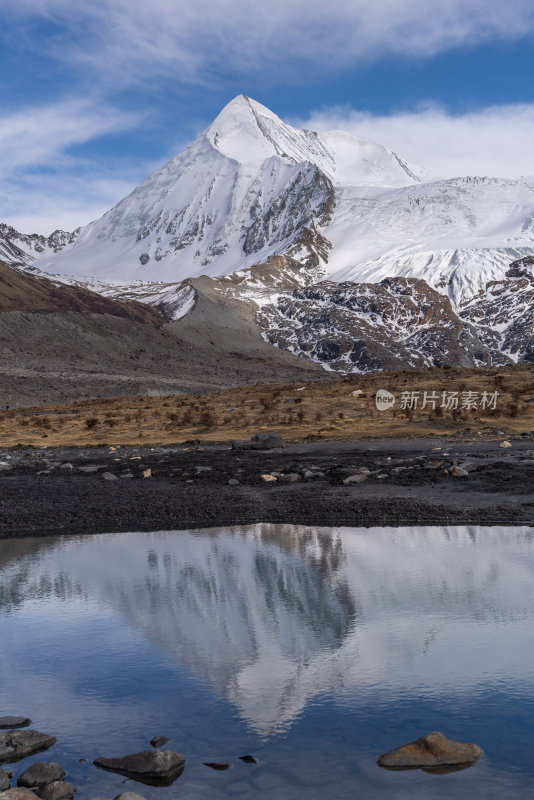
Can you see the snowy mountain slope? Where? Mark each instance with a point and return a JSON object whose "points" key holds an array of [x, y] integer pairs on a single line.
{"points": [[457, 234], [252, 187], [18, 249], [248, 188], [267, 210]]}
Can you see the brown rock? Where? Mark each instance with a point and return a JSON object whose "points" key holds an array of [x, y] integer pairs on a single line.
{"points": [[432, 753], [58, 790], [18, 794]]}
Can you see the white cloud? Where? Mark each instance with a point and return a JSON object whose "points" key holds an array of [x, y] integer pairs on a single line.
{"points": [[41, 135], [127, 40], [43, 185], [495, 141]]}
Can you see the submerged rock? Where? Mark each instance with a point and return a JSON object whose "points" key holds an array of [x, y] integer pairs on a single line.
{"points": [[248, 759], [220, 766], [14, 722], [432, 753], [16, 745], [152, 767], [159, 741], [40, 774]]}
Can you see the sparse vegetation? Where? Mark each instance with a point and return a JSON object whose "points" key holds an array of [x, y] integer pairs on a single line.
{"points": [[324, 409]]}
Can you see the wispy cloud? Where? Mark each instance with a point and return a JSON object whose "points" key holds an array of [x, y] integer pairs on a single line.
{"points": [[127, 39], [494, 141], [44, 184], [42, 135]]}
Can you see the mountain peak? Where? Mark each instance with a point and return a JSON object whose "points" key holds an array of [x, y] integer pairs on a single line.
{"points": [[240, 131]]}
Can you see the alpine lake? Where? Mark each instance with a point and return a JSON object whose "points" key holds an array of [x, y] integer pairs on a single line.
{"points": [[313, 649]]}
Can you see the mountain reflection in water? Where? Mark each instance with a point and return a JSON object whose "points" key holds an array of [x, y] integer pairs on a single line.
{"points": [[273, 616]]}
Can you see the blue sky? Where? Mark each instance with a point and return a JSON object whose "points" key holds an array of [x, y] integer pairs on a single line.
{"points": [[96, 95]]}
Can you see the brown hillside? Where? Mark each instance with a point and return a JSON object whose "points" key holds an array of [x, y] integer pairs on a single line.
{"points": [[20, 291]]}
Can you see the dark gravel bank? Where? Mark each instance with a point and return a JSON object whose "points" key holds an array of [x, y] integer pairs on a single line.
{"points": [[399, 482]]}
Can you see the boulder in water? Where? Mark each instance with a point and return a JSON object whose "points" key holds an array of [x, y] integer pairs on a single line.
{"points": [[432, 753], [40, 774], [152, 767], [16, 745]]}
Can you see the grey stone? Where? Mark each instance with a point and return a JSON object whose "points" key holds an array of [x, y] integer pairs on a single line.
{"points": [[91, 467], [5, 783], [203, 469], [159, 741], [16, 745], [354, 479], [152, 767], [290, 477], [66, 466], [129, 796], [233, 482], [58, 790], [14, 722], [260, 441], [18, 794], [41, 773], [109, 476], [127, 475]]}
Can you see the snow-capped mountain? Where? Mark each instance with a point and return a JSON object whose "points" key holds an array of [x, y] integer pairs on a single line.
{"points": [[356, 258], [248, 188], [21, 250], [252, 187]]}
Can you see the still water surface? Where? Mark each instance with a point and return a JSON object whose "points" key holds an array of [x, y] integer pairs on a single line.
{"points": [[313, 649]]}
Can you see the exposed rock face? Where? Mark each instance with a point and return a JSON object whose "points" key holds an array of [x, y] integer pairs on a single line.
{"points": [[351, 327], [504, 312], [433, 752], [40, 774], [18, 248], [152, 767], [16, 745]]}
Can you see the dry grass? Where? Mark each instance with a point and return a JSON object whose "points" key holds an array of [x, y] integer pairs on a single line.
{"points": [[322, 410]]}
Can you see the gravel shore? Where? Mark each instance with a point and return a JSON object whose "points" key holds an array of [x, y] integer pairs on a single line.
{"points": [[362, 483]]}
